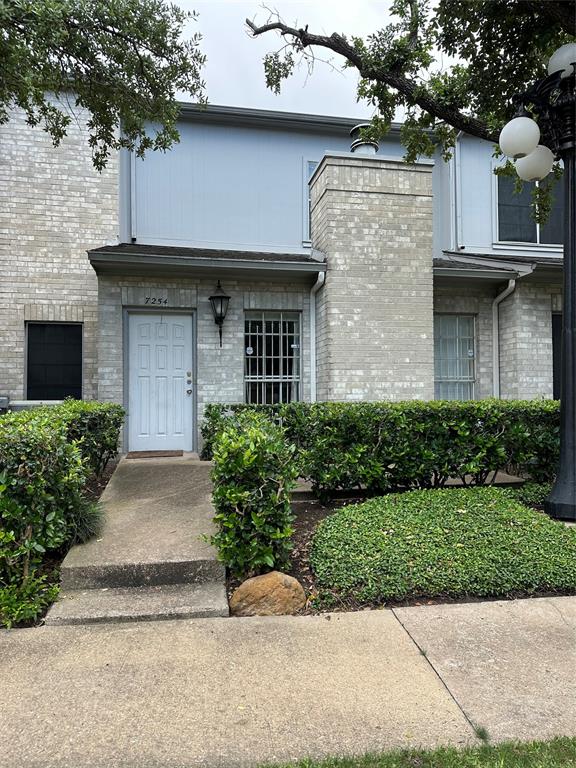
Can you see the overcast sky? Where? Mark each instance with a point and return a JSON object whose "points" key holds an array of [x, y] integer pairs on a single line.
{"points": [[234, 73]]}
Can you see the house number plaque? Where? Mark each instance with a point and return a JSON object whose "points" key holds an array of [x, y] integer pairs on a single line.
{"points": [[156, 300]]}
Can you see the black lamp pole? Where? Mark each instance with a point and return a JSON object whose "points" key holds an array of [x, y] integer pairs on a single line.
{"points": [[562, 500], [552, 102]]}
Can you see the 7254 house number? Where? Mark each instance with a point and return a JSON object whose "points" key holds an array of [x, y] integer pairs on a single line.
{"points": [[155, 300]]}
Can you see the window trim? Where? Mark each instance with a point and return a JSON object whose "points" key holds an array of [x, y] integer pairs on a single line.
{"points": [[296, 314], [474, 382], [27, 324], [516, 245], [306, 229]]}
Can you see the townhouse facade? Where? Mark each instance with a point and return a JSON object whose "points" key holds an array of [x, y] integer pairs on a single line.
{"points": [[347, 273]]}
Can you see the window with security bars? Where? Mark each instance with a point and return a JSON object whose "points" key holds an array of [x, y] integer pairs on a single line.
{"points": [[272, 357], [454, 357]]}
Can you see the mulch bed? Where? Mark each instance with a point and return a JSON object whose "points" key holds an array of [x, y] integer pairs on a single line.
{"points": [[94, 488], [307, 516]]}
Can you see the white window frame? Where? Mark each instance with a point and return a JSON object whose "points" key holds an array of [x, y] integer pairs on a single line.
{"points": [[474, 380], [517, 245], [263, 379]]}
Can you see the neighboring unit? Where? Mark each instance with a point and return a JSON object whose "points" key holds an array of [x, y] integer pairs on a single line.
{"points": [[349, 275]]}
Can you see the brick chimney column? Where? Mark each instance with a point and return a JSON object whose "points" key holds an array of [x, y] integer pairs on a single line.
{"points": [[372, 217]]}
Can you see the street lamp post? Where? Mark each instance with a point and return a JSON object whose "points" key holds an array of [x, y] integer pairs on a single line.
{"points": [[534, 144]]}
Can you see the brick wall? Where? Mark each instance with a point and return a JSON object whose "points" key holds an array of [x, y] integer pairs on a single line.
{"points": [[220, 371], [372, 218], [53, 207], [526, 341]]}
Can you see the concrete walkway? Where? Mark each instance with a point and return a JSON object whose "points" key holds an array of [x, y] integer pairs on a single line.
{"points": [[151, 561], [237, 692]]}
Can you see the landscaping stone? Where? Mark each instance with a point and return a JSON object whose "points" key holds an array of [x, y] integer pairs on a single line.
{"points": [[273, 594]]}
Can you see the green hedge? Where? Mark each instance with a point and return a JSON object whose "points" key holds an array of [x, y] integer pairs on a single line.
{"points": [[254, 473], [93, 426], [388, 446], [46, 456]]}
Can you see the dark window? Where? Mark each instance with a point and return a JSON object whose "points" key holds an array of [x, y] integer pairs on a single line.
{"points": [[311, 167], [54, 361], [556, 354], [515, 221], [553, 230]]}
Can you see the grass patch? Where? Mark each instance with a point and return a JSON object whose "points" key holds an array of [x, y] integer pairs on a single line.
{"points": [[558, 753], [453, 543]]}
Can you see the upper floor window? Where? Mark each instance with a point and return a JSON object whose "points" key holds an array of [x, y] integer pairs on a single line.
{"points": [[310, 167], [515, 220]]}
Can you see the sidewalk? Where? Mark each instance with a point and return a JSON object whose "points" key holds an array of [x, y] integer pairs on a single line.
{"points": [[238, 692]]}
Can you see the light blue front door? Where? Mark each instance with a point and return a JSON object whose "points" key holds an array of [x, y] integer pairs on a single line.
{"points": [[160, 409]]}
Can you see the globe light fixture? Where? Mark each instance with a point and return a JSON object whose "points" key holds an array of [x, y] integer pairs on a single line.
{"points": [[563, 60], [534, 143], [535, 166], [519, 137]]}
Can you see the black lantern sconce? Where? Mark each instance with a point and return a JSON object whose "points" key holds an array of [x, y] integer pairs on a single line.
{"points": [[219, 302]]}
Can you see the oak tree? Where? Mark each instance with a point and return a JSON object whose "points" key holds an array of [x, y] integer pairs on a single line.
{"points": [[495, 49], [121, 61]]}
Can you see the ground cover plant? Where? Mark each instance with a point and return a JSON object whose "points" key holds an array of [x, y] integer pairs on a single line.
{"points": [[453, 543], [558, 753], [47, 457]]}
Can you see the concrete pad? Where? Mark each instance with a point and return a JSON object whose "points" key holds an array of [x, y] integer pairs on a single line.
{"points": [[157, 603], [511, 665], [157, 511], [214, 692]]}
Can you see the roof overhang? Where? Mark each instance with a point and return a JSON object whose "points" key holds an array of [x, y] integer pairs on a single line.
{"points": [[198, 262], [481, 268], [267, 118]]}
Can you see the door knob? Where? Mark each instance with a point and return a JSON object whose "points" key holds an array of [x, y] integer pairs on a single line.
{"points": [[188, 391]]}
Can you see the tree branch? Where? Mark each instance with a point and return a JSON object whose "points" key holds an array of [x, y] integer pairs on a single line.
{"points": [[408, 88], [563, 12]]}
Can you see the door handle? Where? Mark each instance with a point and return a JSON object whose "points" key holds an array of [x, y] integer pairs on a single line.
{"points": [[188, 391]]}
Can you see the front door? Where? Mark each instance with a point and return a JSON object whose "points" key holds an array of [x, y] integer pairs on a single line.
{"points": [[161, 402]]}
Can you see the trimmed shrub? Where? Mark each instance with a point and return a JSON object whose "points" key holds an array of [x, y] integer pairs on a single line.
{"points": [[388, 446], [46, 456], [95, 427], [253, 475], [26, 601], [218, 416], [465, 542]]}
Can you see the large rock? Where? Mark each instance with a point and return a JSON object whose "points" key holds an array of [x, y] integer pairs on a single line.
{"points": [[272, 594]]}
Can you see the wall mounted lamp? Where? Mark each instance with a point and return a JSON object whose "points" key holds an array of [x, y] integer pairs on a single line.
{"points": [[219, 302]]}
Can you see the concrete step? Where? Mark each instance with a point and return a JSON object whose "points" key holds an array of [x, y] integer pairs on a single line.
{"points": [[154, 603], [77, 575]]}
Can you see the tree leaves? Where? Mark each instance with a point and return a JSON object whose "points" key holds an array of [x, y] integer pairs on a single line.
{"points": [[112, 63]]}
